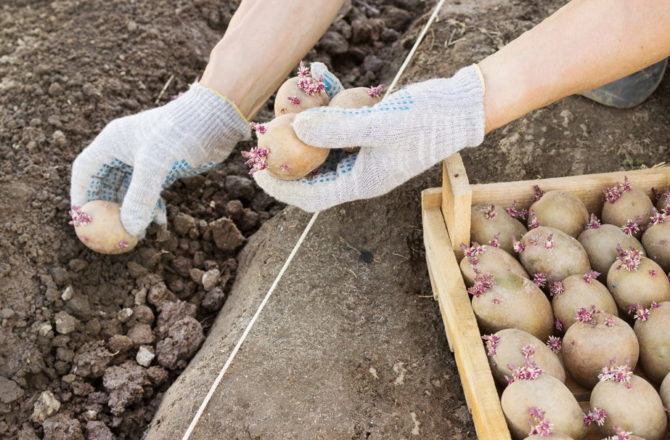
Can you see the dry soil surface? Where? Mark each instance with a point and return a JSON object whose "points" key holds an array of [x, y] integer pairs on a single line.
{"points": [[351, 344], [89, 343]]}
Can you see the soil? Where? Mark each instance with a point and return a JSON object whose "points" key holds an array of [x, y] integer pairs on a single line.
{"points": [[89, 343], [354, 311]]}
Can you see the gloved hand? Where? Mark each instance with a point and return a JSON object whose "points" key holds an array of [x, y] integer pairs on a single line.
{"points": [[135, 157], [400, 137]]}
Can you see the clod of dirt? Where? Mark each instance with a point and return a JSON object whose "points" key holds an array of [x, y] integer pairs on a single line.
{"points": [[136, 270], [397, 18], [141, 334], [77, 264], [81, 388], [196, 275], [45, 406], [60, 276], [92, 360], [62, 427], [183, 340], [140, 297], [125, 384], [240, 187], [119, 344], [145, 355], [27, 433], [98, 431], [9, 390], [373, 63], [64, 354], [79, 306], [364, 30], [142, 314], [158, 294], [249, 220], [172, 312], [334, 43], [157, 374], [261, 201], [234, 209], [213, 299], [225, 234], [65, 323], [183, 223]]}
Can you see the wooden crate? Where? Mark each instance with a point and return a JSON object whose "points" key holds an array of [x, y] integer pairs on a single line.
{"points": [[446, 224]]}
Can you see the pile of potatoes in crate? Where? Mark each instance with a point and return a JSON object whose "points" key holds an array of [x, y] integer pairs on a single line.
{"points": [[585, 299]]}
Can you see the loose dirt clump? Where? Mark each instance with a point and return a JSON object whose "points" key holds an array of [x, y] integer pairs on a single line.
{"points": [[89, 342]]}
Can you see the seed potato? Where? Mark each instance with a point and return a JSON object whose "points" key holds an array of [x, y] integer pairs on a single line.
{"points": [[656, 240], [636, 408], [493, 261], [549, 394], [554, 253], [98, 225], [288, 157], [601, 244], [653, 334], [590, 346], [507, 304], [491, 222], [561, 210], [509, 352], [580, 291]]}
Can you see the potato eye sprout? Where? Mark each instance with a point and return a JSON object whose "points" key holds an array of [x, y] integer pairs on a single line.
{"points": [[300, 93]]}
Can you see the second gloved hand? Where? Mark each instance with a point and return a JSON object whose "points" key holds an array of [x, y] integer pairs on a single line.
{"points": [[400, 137], [135, 157]]}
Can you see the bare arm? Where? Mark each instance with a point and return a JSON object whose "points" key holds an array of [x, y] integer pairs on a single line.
{"points": [[585, 44], [264, 41]]}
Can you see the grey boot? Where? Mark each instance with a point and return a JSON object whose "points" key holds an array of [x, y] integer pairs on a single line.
{"points": [[631, 90]]}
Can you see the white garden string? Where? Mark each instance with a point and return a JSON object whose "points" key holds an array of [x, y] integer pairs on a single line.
{"points": [[308, 228]]}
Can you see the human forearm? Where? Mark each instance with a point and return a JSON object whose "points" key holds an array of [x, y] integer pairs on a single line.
{"points": [[264, 41], [585, 44]]}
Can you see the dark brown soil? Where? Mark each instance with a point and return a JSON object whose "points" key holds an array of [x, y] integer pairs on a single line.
{"points": [[90, 342]]}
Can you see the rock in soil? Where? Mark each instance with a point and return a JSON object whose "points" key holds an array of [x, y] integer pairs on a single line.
{"points": [[45, 406], [211, 278], [65, 323], [145, 354]]}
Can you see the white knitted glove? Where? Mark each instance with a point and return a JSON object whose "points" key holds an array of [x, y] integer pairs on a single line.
{"points": [[135, 157], [400, 137], [320, 71]]}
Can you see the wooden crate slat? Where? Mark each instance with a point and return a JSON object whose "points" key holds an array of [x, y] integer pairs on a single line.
{"points": [[456, 201], [462, 330], [588, 187]]}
